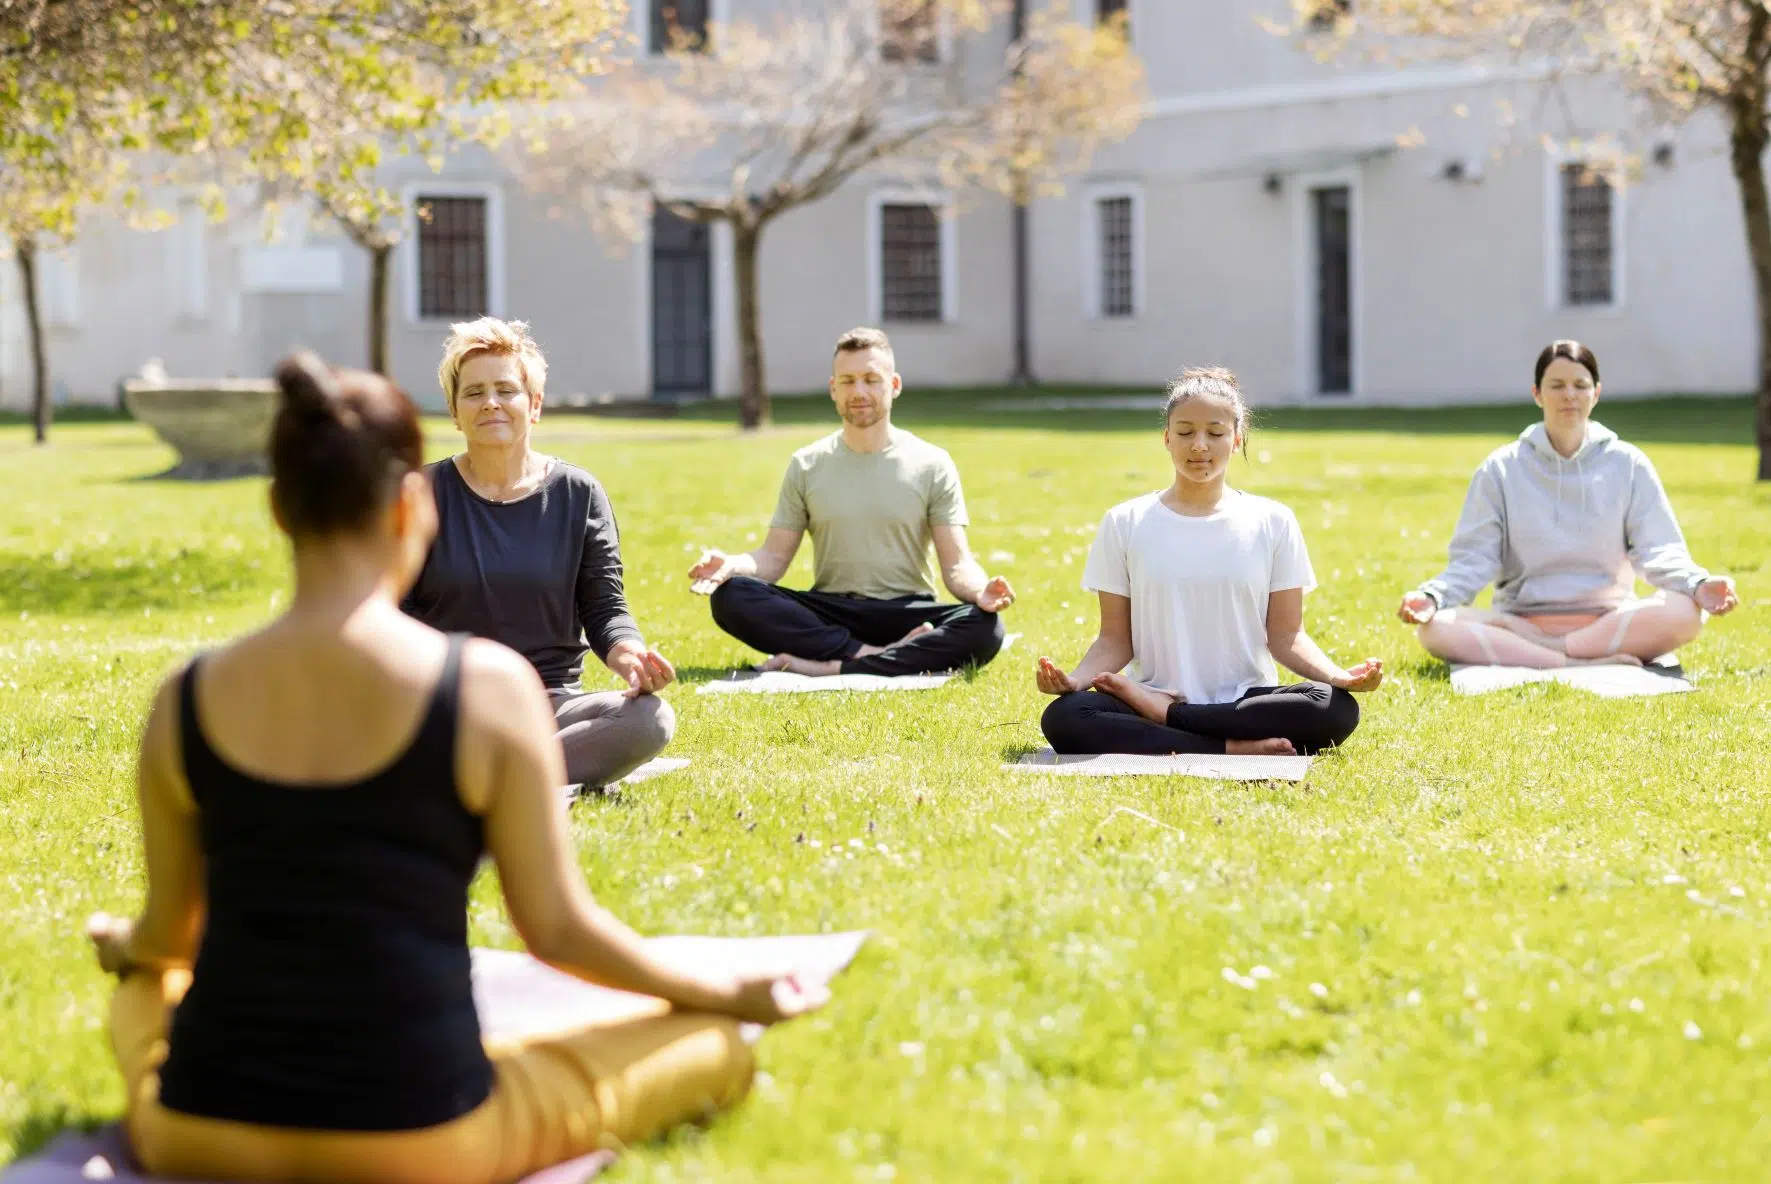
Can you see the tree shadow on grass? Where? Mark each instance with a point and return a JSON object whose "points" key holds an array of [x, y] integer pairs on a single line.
{"points": [[106, 584], [1694, 419]]}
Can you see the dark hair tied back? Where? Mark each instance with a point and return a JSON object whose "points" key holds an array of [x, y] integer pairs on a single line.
{"points": [[341, 443]]}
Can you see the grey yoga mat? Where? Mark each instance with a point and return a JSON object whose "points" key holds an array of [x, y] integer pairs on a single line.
{"points": [[1610, 682], [517, 998], [1215, 768]]}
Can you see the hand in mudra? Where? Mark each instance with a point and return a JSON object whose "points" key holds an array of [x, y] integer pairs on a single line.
{"points": [[713, 569], [770, 999], [996, 596], [1417, 608], [1052, 680], [1716, 596], [646, 672], [1364, 677], [110, 940]]}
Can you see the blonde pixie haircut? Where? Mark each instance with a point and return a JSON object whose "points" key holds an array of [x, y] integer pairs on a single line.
{"points": [[489, 335]]}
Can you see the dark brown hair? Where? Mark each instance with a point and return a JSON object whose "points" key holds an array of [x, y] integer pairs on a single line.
{"points": [[1208, 382], [342, 441], [1574, 351], [857, 340]]}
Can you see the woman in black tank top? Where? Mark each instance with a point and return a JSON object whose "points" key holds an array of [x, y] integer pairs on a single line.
{"points": [[296, 1000]]}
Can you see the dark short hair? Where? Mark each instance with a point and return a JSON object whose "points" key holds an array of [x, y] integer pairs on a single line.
{"points": [[342, 442], [1574, 351]]}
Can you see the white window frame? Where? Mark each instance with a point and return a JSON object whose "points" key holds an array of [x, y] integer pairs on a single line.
{"points": [[722, 310], [719, 12], [1556, 249], [187, 262], [409, 272], [946, 218], [1301, 186], [1094, 264]]}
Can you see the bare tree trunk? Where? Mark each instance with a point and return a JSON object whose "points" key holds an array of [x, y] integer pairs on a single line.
{"points": [[1748, 137], [26, 250], [753, 398], [380, 255]]}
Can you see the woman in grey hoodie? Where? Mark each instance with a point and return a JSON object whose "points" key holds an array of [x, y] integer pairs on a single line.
{"points": [[1561, 521]]}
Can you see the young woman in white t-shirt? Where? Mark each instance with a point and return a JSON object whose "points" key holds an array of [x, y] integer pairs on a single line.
{"points": [[1202, 587]]}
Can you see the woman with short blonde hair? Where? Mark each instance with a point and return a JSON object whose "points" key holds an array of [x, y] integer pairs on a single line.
{"points": [[528, 554]]}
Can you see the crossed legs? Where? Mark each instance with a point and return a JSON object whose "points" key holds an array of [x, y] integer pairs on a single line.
{"points": [[821, 633], [1632, 633], [1304, 717], [555, 1097]]}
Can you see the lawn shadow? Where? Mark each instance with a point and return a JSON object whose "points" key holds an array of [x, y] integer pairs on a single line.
{"points": [[699, 674], [1693, 419], [41, 1125], [1428, 669]]}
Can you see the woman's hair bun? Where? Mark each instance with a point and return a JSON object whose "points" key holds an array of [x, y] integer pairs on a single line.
{"points": [[308, 385]]}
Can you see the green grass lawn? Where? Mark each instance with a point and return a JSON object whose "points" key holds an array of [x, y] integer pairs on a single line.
{"points": [[1516, 937]]}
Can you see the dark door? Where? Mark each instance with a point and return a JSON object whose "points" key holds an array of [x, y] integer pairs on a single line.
{"points": [[1332, 210], [682, 308]]}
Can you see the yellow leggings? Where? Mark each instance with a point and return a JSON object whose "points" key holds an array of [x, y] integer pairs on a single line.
{"points": [[553, 1098]]}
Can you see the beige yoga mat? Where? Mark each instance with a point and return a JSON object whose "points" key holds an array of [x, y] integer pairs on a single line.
{"points": [[1609, 682], [779, 682], [1214, 768], [516, 996]]}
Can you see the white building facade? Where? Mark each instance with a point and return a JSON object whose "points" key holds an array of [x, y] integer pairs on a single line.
{"points": [[1343, 234]]}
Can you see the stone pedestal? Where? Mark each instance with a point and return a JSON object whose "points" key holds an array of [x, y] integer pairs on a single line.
{"points": [[220, 427]]}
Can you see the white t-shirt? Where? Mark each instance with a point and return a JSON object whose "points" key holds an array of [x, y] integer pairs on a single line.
{"points": [[1198, 589]]}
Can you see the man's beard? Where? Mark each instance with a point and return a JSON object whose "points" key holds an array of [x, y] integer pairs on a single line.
{"points": [[863, 419]]}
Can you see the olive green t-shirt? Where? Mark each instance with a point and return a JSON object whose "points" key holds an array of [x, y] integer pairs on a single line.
{"points": [[871, 514]]}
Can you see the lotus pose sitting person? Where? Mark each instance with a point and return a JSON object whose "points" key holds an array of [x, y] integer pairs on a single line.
{"points": [[529, 555], [1560, 521], [315, 799], [1203, 587], [874, 497]]}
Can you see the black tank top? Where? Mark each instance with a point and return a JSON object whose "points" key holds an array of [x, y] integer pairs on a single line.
{"points": [[332, 989]]}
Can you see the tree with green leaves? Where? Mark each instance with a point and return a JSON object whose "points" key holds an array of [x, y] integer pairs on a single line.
{"points": [[760, 118], [1680, 58], [301, 94]]}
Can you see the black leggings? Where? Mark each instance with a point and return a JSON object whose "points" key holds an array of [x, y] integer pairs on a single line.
{"points": [[824, 626], [1312, 715]]}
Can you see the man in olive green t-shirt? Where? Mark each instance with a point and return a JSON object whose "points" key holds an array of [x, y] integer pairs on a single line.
{"points": [[874, 498]]}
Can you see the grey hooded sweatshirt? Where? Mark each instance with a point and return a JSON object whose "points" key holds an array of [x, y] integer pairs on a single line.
{"points": [[1556, 534]]}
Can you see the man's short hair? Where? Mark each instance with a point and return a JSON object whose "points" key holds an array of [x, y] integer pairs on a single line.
{"points": [[857, 340]]}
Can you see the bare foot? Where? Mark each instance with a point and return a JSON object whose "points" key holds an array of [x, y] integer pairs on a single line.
{"points": [[1278, 746], [1607, 660], [869, 650], [1152, 704], [793, 665]]}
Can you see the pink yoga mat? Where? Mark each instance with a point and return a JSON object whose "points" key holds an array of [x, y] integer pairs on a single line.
{"points": [[516, 997]]}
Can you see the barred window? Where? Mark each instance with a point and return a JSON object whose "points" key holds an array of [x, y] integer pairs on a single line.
{"points": [[1587, 271], [1118, 257], [669, 16], [451, 256], [909, 31], [1329, 13], [910, 263]]}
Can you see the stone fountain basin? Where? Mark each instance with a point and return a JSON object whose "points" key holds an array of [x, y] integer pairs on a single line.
{"points": [[219, 427]]}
